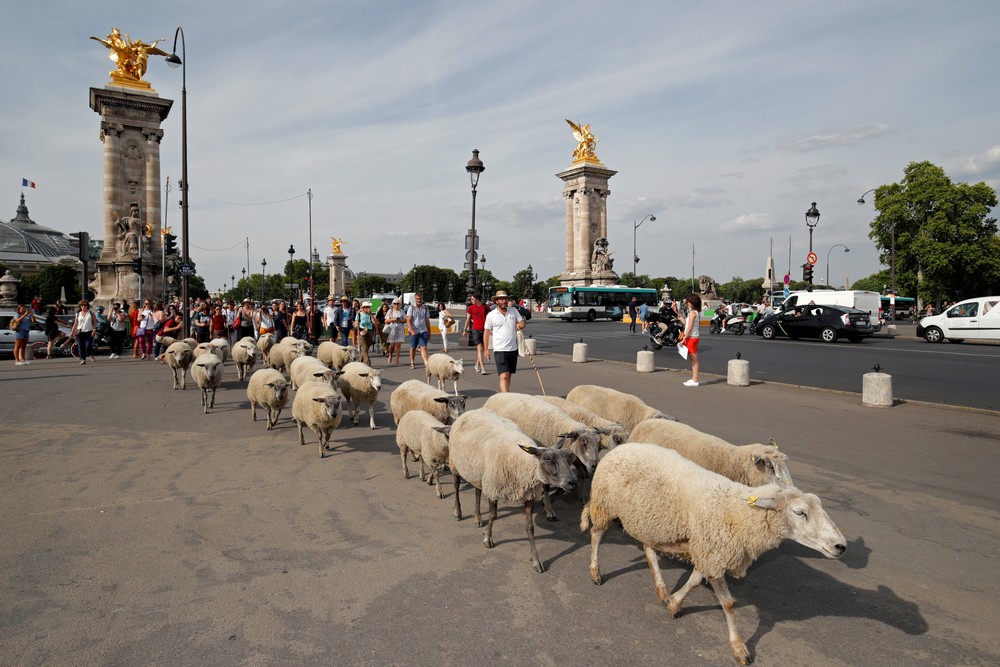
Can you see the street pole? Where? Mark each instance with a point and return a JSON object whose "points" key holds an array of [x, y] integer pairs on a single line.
{"points": [[812, 219], [839, 245], [312, 291], [174, 61], [475, 168], [635, 255]]}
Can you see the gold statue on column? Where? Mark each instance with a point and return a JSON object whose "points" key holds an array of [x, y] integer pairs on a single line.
{"points": [[588, 142], [130, 58], [335, 244]]}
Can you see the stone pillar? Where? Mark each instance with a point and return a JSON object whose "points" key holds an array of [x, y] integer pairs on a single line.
{"points": [[570, 236], [645, 361], [338, 280], [586, 191]]}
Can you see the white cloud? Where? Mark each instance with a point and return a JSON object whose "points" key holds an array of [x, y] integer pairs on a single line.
{"points": [[830, 138], [984, 165], [749, 223]]}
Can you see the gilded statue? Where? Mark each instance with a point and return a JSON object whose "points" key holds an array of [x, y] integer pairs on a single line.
{"points": [[335, 244], [130, 58], [588, 142]]}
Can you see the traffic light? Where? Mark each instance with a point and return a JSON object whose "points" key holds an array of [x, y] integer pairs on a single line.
{"points": [[170, 244], [137, 265], [807, 273], [81, 244]]}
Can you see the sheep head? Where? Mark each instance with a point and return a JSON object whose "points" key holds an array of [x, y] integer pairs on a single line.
{"points": [[554, 466], [770, 462], [805, 520]]}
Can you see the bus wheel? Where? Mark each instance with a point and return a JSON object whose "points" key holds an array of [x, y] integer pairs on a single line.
{"points": [[591, 315]]}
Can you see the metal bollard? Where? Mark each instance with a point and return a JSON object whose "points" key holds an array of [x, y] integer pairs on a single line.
{"points": [[738, 373], [645, 361], [876, 390], [579, 353]]}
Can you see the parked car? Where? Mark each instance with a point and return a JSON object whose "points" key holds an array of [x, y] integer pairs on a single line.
{"points": [[977, 319], [525, 312], [36, 335], [828, 323], [870, 302]]}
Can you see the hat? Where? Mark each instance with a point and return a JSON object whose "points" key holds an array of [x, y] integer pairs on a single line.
{"points": [[500, 295], [331, 298], [366, 304], [345, 298], [397, 300], [246, 300]]}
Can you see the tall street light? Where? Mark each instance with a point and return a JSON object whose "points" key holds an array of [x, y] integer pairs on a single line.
{"points": [[812, 219], [174, 61], [244, 272], [291, 258], [312, 291], [263, 279], [892, 261], [475, 168], [839, 245], [635, 255], [482, 260]]}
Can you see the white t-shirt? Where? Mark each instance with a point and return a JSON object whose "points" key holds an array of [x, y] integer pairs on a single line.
{"points": [[503, 329], [328, 314]]}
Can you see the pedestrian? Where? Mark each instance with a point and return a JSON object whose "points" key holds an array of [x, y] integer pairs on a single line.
{"points": [[364, 325], [355, 309], [51, 330], [500, 328], [343, 317], [173, 324], [643, 309], [417, 321], [445, 320], [692, 336], [282, 318], [133, 323], [396, 319], [475, 321], [145, 331], [244, 321], [21, 323], [330, 317], [60, 308], [201, 323], [633, 313], [84, 325], [380, 327], [264, 320], [36, 305], [118, 321], [217, 323], [315, 323]]}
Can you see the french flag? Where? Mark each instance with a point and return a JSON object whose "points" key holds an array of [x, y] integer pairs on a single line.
{"points": [[25, 183]]}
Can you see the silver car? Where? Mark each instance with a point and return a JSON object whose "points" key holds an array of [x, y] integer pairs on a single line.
{"points": [[36, 335]]}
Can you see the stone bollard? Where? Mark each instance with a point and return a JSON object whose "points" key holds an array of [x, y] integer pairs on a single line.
{"points": [[738, 373], [645, 361], [579, 353], [29, 352], [876, 390], [530, 344]]}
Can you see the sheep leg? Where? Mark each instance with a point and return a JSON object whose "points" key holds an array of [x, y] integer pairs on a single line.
{"points": [[479, 515], [213, 399], [596, 534], [272, 417], [253, 411], [654, 569], [675, 600], [456, 387], [402, 455], [324, 438], [740, 651], [550, 514], [457, 513], [488, 538], [529, 524], [371, 415], [437, 480], [302, 438], [423, 471], [204, 399], [184, 379]]}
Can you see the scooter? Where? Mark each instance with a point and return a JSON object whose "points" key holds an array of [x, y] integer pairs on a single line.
{"points": [[664, 329], [736, 323]]}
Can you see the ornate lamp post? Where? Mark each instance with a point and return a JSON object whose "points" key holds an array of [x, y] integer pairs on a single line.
{"points": [[263, 279], [812, 219], [839, 245], [475, 168], [174, 61], [291, 258], [635, 255], [244, 272]]}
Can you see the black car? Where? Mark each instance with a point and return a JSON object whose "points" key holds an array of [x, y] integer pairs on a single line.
{"points": [[525, 312], [828, 323]]}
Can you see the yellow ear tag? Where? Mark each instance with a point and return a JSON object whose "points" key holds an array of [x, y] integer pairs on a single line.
{"points": [[773, 443], [751, 500]]}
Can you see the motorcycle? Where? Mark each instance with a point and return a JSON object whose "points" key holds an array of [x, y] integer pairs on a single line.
{"points": [[737, 323], [664, 329]]}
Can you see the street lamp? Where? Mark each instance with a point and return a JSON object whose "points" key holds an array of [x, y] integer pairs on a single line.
{"points": [[635, 255], [475, 168], [482, 260], [839, 245], [312, 290], [263, 279], [532, 277], [174, 61], [812, 219], [232, 281], [892, 262], [291, 258], [244, 272]]}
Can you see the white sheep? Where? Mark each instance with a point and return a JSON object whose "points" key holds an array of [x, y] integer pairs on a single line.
{"points": [[206, 371], [753, 465], [245, 354], [317, 406], [264, 344], [336, 356], [268, 389], [179, 357], [673, 505], [626, 409], [502, 462], [426, 439], [360, 384], [280, 357], [223, 348], [303, 345], [308, 369], [612, 433], [444, 367], [209, 348], [415, 395]]}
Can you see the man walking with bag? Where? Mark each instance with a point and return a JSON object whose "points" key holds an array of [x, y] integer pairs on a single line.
{"points": [[502, 325]]}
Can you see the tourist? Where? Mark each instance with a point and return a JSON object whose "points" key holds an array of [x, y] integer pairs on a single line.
{"points": [[501, 329]]}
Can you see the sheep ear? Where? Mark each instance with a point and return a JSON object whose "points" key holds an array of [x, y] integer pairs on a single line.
{"points": [[338, 374], [756, 458], [441, 399], [569, 434], [443, 430], [766, 503], [772, 443], [319, 375], [320, 400], [534, 451], [364, 375], [603, 431]]}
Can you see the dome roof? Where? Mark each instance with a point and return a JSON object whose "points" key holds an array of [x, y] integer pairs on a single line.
{"points": [[22, 236]]}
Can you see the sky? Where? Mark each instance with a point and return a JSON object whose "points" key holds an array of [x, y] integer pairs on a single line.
{"points": [[723, 119]]}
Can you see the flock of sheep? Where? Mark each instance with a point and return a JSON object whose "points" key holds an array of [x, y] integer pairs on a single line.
{"points": [[675, 489]]}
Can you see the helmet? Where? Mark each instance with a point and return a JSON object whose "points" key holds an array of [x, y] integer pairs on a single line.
{"points": [[100, 309]]}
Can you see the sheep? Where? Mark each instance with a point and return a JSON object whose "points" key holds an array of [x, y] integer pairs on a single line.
{"points": [[192, 343], [626, 409], [264, 344], [360, 384], [207, 374], [222, 346], [336, 356], [753, 465], [412, 395], [268, 389], [612, 433], [317, 406], [245, 354], [303, 345], [209, 348], [280, 357], [444, 367], [502, 462], [179, 357], [426, 439], [307, 369], [675, 506]]}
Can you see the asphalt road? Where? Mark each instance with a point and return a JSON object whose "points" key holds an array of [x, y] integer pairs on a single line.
{"points": [[964, 375]]}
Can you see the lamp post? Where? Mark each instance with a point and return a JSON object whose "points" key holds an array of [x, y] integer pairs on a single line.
{"points": [[839, 245], [635, 255], [263, 279], [232, 281], [244, 272], [812, 219], [312, 291], [291, 258], [475, 168], [892, 262], [482, 260], [532, 277], [174, 61]]}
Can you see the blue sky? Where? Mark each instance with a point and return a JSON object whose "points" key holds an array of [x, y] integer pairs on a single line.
{"points": [[724, 119]]}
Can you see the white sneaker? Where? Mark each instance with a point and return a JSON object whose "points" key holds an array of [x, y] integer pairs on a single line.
{"points": [[19, 363], [83, 363], [690, 383], [112, 356]]}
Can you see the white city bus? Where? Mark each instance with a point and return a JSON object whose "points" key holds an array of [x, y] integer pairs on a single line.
{"points": [[589, 303]]}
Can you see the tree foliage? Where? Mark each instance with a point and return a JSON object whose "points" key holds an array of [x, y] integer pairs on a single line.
{"points": [[368, 284], [876, 282], [435, 284], [946, 242], [49, 283], [745, 291]]}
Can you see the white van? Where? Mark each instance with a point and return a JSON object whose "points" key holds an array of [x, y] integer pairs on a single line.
{"points": [[977, 319], [870, 302]]}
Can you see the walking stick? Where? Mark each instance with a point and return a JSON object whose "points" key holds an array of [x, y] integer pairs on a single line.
{"points": [[521, 341]]}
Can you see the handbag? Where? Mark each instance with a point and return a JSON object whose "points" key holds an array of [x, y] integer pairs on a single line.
{"points": [[387, 329], [14, 324]]}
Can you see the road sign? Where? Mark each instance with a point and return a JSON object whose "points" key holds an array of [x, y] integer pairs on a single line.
{"points": [[811, 258], [185, 270], [786, 292], [787, 279], [471, 256]]}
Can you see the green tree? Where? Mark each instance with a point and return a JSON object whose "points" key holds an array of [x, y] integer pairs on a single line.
{"points": [[49, 283], [739, 290], [435, 284], [946, 242], [876, 282], [368, 284], [196, 287], [641, 280]]}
